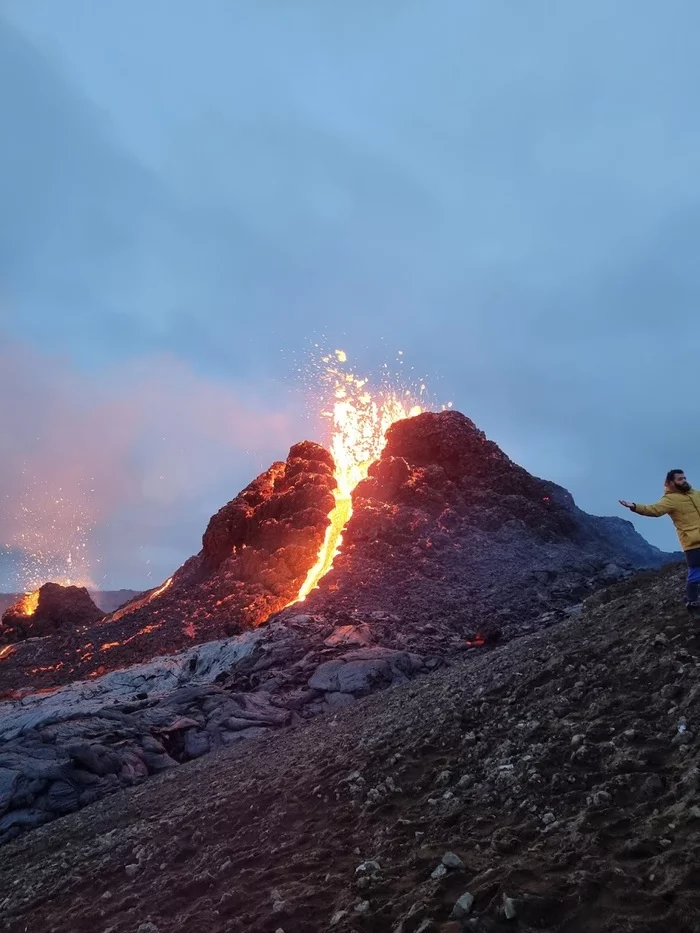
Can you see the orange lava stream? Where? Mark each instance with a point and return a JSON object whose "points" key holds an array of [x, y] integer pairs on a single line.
{"points": [[139, 603], [359, 423]]}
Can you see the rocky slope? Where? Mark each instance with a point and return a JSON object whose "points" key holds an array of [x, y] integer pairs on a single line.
{"points": [[446, 530], [550, 783]]}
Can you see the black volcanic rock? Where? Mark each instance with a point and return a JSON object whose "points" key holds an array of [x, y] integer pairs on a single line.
{"points": [[446, 532], [446, 527], [561, 769], [275, 510], [58, 609]]}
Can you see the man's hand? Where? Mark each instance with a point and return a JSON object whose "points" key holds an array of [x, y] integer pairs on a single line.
{"points": [[627, 505]]}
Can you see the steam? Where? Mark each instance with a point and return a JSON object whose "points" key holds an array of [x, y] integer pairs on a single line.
{"points": [[106, 477]]}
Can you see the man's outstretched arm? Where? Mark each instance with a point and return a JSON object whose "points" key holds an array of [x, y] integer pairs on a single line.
{"points": [[662, 507]]}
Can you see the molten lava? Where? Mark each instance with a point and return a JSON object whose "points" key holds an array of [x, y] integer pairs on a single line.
{"points": [[140, 603], [28, 604], [359, 425]]}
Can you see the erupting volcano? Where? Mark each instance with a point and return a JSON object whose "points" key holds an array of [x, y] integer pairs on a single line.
{"points": [[413, 515], [360, 423]]}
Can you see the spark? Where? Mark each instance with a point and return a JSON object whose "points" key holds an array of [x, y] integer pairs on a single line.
{"points": [[359, 421]]}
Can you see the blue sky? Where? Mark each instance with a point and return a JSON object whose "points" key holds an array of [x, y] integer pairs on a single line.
{"points": [[191, 192]]}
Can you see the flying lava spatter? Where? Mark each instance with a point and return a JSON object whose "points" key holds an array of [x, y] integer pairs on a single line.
{"points": [[359, 421]]}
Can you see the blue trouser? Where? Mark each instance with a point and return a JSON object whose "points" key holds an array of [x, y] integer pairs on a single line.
{"points": [[692, 587]]}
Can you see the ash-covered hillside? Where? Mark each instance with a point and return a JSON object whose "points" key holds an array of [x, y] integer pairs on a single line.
{"points": [[550, 784]]}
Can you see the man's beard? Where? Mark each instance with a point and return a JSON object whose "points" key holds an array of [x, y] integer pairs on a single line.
{"points": [[682, 487]]}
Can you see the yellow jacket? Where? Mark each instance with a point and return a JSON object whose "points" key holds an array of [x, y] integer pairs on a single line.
{"points": [[684, 509]]}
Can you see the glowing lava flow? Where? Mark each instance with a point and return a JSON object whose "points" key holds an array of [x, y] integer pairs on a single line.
{"points": [[358, 438], [139, 603]]}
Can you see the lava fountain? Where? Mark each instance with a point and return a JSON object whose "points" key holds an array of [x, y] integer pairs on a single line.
{"points": [[359, 424], [28, 604]]}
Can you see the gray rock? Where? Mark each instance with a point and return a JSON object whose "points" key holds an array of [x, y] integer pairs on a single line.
{"points": [[156, 762], [23, 818], [509, 906], [339, 700], [147, 928], [133, 767], [369, 867], [152, 745], [450, 860], [364, 670], [463, 906], [8, 784], [63, 797], [439, 872], [95, 758], [132, 870], [348, 635], [196, 743]]}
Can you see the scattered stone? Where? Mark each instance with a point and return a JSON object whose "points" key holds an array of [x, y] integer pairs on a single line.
{"points": [[439, 872], [509, 908], [548, 818], [369, 867], [450, 860], [132, 870], [463, 906], [338, 916], [362, 907]]}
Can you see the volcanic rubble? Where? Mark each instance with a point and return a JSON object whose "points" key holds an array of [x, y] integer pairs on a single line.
{"points": [[550, 783], [451, 548]]}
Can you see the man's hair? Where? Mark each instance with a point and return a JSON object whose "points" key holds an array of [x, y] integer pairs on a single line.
{"points": [[671, 475]]}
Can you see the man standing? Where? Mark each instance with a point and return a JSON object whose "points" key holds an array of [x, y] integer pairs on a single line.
{"points": [[682, 503]]}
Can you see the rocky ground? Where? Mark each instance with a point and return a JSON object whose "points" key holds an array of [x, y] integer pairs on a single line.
{"points": [[552, 783]]}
